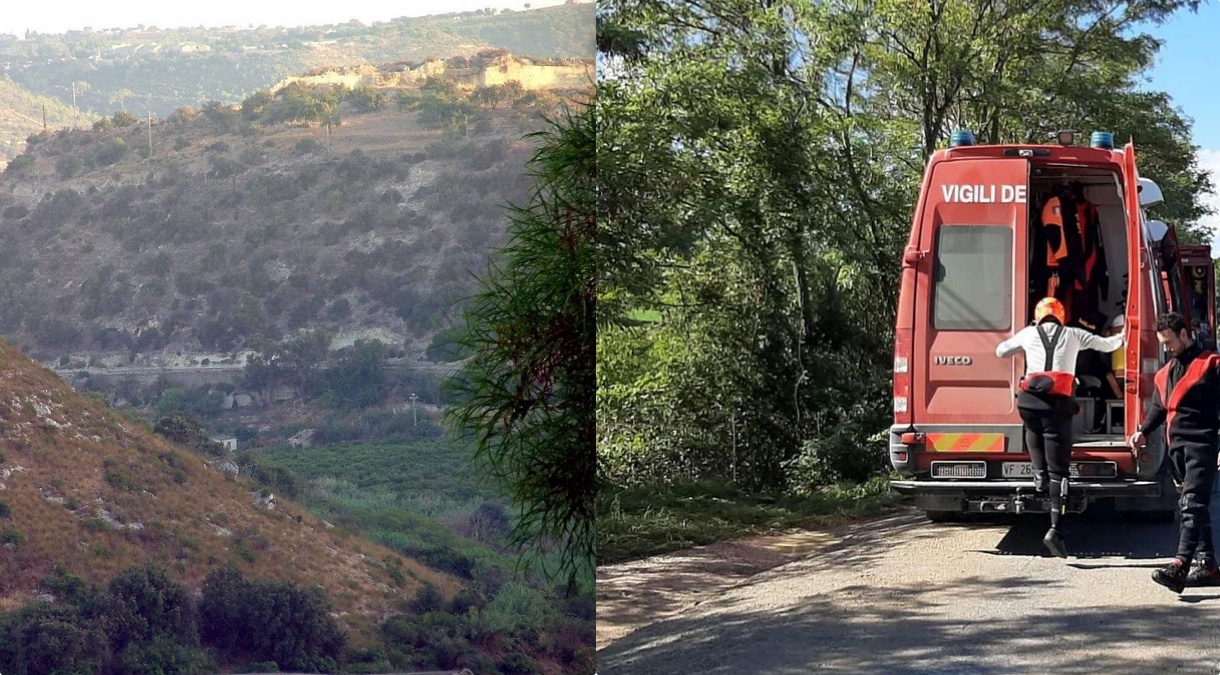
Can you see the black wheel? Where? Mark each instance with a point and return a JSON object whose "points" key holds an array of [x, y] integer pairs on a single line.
{"points": [[944, 516]]}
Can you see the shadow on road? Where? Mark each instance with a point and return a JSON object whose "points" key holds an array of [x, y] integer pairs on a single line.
{"points": [[1093, 536], [905, 631]]}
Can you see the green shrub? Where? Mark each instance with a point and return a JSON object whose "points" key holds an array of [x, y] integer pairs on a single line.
{"points": [[12, 536]]}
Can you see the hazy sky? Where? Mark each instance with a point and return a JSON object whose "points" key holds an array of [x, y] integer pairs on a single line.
{"points": [[58, 17]]}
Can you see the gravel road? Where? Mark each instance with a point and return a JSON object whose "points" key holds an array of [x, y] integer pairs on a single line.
{"points": [[901, 595]]}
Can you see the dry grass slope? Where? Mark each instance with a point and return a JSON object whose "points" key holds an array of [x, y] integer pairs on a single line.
{"points": [[95, 493]]}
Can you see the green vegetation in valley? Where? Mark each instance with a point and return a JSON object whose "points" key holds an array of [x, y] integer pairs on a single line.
{"points": [[423, 500]]}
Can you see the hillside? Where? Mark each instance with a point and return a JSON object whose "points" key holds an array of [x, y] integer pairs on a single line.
{"points": [[149, 69], [21, 113], [91, 493], [423, 500], [364, 211]]}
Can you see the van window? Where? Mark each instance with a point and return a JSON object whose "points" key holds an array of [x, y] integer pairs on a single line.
{"points": [[973, 282]]}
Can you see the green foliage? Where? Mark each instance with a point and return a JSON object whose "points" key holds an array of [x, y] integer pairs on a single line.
{"points": [[163, 656], [111, 152], [365, 99], [517, 604], [144, 604], [201, 402], [19, 164], [446, 347], [358, 379], [398, 495], [643, 521], [54, 640], [186, 430], [427, 599], [67, 166], [558, 31], [518, 664], [123, 118], [747, 235], [279, 479], [120, 479], [287, 624], [433, 478], [525, 396]]}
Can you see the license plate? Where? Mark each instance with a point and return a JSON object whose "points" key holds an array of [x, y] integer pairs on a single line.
{"points": [[1018, 470], [959, 469], [1076, 470]]}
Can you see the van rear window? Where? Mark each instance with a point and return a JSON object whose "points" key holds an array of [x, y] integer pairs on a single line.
{"points": [[973, 282]]}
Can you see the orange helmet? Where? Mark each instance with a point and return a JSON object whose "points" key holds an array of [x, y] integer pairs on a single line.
{"points": [[1050, 307]]}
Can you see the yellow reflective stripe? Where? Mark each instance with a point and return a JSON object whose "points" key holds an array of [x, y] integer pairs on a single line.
{"points": [[966, 442]]}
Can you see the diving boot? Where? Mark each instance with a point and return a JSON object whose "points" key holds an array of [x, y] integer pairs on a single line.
{"points": [[1204, 574], [1054, 543], [1172, 576]]}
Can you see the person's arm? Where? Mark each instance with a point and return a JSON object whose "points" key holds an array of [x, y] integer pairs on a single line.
{"points": [[1099, 343], [1011, 345], [1156, 413]]}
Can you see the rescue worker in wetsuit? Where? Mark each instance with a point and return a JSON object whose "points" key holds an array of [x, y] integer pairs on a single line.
{"points": [[1046, 401], [1185, 401]]}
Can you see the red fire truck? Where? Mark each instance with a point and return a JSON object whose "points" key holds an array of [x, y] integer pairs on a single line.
{"points": [[970, 278]]}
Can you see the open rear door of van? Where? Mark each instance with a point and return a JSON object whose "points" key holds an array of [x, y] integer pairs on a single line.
{"points": [[1143, 352], [973, 294]]}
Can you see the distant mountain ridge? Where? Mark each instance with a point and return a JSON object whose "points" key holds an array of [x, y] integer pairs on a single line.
{"points": [[147, 70]]}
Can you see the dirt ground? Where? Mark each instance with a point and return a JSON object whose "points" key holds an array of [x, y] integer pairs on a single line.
{"points": [[636, 593]]}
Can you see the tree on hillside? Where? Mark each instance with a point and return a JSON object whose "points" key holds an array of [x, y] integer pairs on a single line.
{"points": [[186, 429], [121, 97], [526, 393]]}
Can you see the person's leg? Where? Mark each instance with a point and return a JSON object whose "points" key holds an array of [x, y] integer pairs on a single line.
{"points": [[1174, 576], [1200, 471], [1207, 573], [1034, 421], [1057, 436]]}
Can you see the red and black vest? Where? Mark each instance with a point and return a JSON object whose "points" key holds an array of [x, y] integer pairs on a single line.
{"points": [[1190, 409]]}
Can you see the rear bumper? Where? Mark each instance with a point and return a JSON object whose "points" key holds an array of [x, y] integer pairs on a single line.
{"points": [[1113, 488], [1018, 496]]}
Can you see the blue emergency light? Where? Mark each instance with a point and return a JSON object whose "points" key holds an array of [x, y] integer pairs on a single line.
{"points": [[961, 137], [1102, 139]]}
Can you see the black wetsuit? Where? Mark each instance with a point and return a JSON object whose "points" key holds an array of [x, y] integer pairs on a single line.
{"points": [[1186, 401]]}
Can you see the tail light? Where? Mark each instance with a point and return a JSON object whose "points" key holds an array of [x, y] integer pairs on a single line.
{"points": [[902, 376]]}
